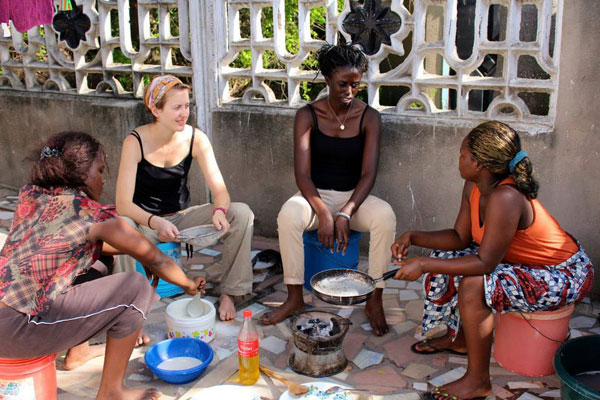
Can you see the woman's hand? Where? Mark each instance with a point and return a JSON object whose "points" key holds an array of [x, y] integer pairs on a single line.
{"points": [[195, 285], [401, 245], [411, 269], [342, 233], [219, 220], [167, 232], [325, 232]]}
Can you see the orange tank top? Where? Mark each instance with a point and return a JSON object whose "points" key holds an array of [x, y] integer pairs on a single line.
{"points": [[544, 242]]}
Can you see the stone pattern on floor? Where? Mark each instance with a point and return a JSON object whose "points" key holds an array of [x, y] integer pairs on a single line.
{"points": [[383, 365]]}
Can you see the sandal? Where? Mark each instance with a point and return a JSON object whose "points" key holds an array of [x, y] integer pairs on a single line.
{"points": [[435, 350], [436, 394]]}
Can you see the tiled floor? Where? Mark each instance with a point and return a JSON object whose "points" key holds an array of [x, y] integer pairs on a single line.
{"points": [[383, 365]]}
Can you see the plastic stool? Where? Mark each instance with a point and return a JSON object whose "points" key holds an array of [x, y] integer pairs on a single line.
{"points": [[173, 251], [32, 378], [317, 258], [525, 343]]}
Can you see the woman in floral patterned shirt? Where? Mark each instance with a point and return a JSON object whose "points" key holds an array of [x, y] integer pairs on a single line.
{"points": [[58, 232]]}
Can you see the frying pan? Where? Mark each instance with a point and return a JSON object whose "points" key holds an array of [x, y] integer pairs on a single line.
{"points": [[345, 286]]}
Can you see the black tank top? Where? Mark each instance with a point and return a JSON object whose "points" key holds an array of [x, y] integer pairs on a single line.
{"points": [[336, 163], [162, 190]]}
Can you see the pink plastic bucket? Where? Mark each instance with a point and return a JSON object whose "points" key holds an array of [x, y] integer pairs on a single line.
{"points": [[525, 343], [25, 379]]}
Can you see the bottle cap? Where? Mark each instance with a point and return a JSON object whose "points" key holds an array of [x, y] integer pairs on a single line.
{"points": [[247, 314]]}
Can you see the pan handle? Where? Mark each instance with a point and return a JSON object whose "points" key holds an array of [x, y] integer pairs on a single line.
{"points": [[387, 275]]}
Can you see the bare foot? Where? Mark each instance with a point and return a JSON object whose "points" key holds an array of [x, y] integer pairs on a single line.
{"points": [[282, 312], [444, 342], [130, 394], [226, 307], [374, 311], [142, 339], [465, 388], [79, 355]]}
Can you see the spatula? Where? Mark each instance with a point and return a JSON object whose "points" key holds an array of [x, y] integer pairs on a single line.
{"points": [[295, 389]]}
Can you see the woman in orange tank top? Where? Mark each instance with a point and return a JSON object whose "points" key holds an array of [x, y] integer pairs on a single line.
{"points": [[505, 253]]}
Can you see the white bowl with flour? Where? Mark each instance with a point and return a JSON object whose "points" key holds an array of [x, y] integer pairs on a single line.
{"points": [[180, 324]]}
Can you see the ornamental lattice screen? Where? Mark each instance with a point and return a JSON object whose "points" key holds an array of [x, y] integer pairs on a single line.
{"points": [[120, 52], [451, 62]]}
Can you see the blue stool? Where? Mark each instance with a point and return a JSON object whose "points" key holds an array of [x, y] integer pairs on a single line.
{"points": [[317, 258], [173, 251]]}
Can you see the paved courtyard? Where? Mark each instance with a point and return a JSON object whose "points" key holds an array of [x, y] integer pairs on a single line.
{"points": [[384, 366]]}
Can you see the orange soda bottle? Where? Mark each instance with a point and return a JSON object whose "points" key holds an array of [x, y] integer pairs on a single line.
{"points": [[248, 351]]}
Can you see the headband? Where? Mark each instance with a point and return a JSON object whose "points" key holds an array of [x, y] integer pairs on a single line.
{"points": [[49, 152], [516, 159], [158, 88]]}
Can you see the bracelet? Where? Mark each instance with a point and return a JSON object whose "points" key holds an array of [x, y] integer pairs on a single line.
{"points": [[223, 209], [149, 218], [343, 215]]}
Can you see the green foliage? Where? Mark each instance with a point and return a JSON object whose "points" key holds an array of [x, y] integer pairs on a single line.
{"points": [[271, 61], [42, 54], [114, 23], [243, 60], [119, 57], [174, 21], [154, 25]]}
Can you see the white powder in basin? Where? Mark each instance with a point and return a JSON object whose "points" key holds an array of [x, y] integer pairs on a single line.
{"points": [[179, 363]]}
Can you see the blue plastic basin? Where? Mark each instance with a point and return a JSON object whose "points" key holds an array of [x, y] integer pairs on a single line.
{"points": [[179, 347]]}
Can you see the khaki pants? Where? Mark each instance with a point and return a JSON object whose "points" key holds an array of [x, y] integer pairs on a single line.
{"points": [[296, 216], [116, 305], [235, 264]]}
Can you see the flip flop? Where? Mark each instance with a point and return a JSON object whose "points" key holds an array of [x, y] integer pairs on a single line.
{"points": [[425, 342], [446, 396]]}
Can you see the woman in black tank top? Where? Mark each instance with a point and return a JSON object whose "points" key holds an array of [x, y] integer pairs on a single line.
{"points": [[152, 187], [336, 152]]}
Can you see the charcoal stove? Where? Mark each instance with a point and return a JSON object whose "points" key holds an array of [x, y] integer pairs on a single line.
{"points": [[318, 337]]}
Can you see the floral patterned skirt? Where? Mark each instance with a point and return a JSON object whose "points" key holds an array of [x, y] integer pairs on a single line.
{"points": [[510, 287]]}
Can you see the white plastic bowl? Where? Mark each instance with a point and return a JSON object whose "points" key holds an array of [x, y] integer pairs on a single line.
{"points": [[180, 324]]}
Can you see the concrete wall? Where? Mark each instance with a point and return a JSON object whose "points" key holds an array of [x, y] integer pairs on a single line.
{"points": [[418, 172]]}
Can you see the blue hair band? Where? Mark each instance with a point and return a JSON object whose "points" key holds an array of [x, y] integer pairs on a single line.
{"points": [[516, 159]]}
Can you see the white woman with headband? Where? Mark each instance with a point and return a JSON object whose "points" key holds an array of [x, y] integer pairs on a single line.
{"points": [[152, 188], [336, 151]]}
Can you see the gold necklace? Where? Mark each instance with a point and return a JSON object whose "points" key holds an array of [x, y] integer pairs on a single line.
{"points": [[342, 126]]}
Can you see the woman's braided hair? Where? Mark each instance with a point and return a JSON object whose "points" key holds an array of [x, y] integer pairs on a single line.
{"points": [[332, 57], [70, 163], [494, 145]]}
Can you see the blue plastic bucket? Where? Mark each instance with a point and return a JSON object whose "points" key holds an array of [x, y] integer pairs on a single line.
{"points": [[317, 258], [173, 251]]}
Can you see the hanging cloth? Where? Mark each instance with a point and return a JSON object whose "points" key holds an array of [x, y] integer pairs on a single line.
{"points": [[25, 14], [65, 5]]}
